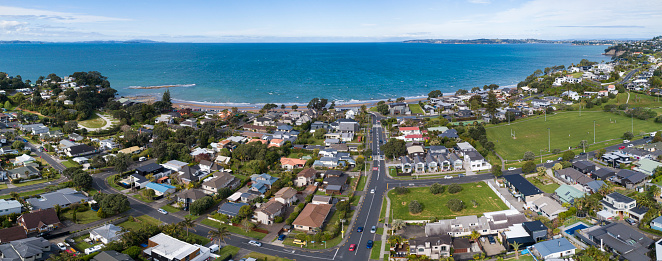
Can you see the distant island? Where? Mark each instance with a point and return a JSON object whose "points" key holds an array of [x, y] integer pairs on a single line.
{"points": [[517, 41]]}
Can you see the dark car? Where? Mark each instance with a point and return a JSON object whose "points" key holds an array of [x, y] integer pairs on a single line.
{"points": [[359, 229], [631, 221], [491, 239], [369, 245], [281, 237]]}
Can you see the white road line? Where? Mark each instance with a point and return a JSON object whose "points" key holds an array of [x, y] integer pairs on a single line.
{"points": [[334, 255], [290, 253], [365, 223]]}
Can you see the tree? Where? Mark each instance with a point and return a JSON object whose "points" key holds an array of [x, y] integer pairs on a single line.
{"points": [[474, 235], [82, 180], [73, 215], [516, 246], [568, 155], [583, 144], [201, 205], [295, 107], [529, 155], [437, 188], [166, 99], [121, 162], [454, 188], [100, 213], [218, 235], [133, 251], [149, 193], [7, 105], [397, 224], [492, 103], [70, 127], [557, 166], [97, 162], [247, 225], [401, 190], [382, 108], [18, 144], [317, 104], [496, 170], [529, 167], [15, 195], [394, 148], [455, 204], [319, 133], [187, 223], [415, 207], [434, 94], [112, 203], [628, 135]]}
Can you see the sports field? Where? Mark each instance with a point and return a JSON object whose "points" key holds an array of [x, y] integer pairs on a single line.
{"points": [[566, 129]]}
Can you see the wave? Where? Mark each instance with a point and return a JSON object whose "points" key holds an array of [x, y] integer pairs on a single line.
{"points": [[161, 86]]}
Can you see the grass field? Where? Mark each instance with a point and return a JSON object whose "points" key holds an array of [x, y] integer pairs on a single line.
{"points": [[233, 229], [171, 209], [549, 188], [435, 205], [70, 164], [93, 122], [24, 194], [376, 249], [81, 217], [260, 256], [139, 222], [227, 251], [143, 198], [566, 128], [415, 108], [32, 182], [361, 184]]}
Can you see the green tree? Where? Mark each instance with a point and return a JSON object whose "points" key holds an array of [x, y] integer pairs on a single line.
{"points": [[394, 148], [166, 99], [437, 188], [454, 188], [73, 215], [82, 180], [529, 155], [434, 94], [133, 251], [219, 234], [70, 127], [415, 207], [317, 104], [529, 167], [628, 135], [496, 170], [568, 155], [516, 246], [492, 104], [121, 162], [319, 133], [455, 204], [8, 105], [187, 223], [18, 144], [382, 108], [149, 193], [474, 235], [295, 107]]}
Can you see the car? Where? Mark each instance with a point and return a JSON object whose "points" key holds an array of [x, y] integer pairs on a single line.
{"points": [[372, 191], [369, 244], [630, 221], [411, 184], [254, 243], [491, 239], [44, 233], [373, 229], [621, 147], [281, 237], [630, 145], [163, 211], [461, 175], [359, 229], [512, 168], [62, 246], [375, 168], [447, 177], [142, 159], [626, 141], [550, 161], [352, 247], [647, 137], [214, 248], [582, 153]]}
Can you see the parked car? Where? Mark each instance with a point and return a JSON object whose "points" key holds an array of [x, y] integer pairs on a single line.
{"points": [[255, 243], [352, 247], [163, 211], [491, 239], [142, 159], [626, 141], [630, 145], [621, 147], [61, 246], [213, 248], [447, 177], [550, 161], [369, 244], [512, 168], [373, 229], [560, 159], [359, 229], [631, 221], [372, 191], [281, 237], [461, 175]]}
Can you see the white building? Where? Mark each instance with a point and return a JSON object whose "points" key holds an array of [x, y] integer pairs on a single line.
{"points": [[9, 206], [166, 248]]}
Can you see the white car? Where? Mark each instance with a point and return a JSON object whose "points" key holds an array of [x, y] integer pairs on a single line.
{"points": [[448, 177], [630, 145], [372, 191], [512, 168], [550, 161], [255, 243], [626, 141], [62, 246], [163, 211]]}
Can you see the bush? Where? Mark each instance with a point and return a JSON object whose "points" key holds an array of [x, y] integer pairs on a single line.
{"points": [[437, 188], [415, 207], [455, 205], [278, 219], [568, 155], [529, 167], [454, 188], [133, 251], [529, 155], [401, 190]]}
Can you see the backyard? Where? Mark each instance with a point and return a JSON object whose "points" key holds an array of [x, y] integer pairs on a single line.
{"points": [[434, 206], [139, 222], [544, 183], [415, 108], [233, 229], [566, 129], [84, 217]]}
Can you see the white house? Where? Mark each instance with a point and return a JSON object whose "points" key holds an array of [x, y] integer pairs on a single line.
{"points": [[10, 206], [554, 249], [106, 234]]}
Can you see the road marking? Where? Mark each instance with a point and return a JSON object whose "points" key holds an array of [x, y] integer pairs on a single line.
{"points": [[290, 253], [365, 223], [334, 255]]}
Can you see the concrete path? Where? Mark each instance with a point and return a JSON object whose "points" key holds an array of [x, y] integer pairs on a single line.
{"points": [[383, 250]]}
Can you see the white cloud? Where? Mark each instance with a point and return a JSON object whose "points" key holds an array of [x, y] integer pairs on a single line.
{"points": [[10, 27], [479, 1], [53, 16]]}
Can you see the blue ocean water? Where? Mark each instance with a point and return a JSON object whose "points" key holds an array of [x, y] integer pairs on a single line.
{"points": [[293, 72]]}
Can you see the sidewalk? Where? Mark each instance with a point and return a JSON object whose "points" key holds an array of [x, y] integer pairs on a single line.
{"points": [[383, 251]]}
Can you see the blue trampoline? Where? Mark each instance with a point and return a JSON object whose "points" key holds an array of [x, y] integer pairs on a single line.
{"points": [[571, 231]]}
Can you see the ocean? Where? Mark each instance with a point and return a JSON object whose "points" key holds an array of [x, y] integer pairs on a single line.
{"points": [[293, 72]]}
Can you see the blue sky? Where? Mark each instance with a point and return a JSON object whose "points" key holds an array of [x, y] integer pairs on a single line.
{"points": [[326, 20]]}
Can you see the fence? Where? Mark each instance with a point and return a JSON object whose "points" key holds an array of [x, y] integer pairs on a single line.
{"points": [[496, 191]]}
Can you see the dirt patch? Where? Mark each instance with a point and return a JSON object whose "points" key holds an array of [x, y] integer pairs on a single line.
{"points": [[479, 186], [404, 203]]}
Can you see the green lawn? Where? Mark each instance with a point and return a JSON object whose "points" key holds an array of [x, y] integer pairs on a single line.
{"points": [[233, 229], [143, 198], [139, 222], [39, 181], [193, 217], [376, 249], [3, 186], [522, 258], [110, 182], [227, 251], [415, 108], [94, 121], [81, 217], [637, 100], [24, 194], [361, 184], [81, 245], [70, 164], [566, 128], [549, 188], [260, 256], [382, 213], [435, 205], [170, 209]]}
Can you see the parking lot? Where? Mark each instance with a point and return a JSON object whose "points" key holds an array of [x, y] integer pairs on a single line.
{"points": [[491, 249]]}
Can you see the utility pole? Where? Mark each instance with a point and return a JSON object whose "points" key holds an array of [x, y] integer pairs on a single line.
{"points": [[632, 114], [545, 114], [549, 140], [593, 132], [540, 156]]}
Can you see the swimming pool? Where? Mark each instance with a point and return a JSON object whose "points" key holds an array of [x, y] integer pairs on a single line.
{"points": [[575, 227]]}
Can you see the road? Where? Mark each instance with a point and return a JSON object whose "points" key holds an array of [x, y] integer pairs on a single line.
{"points": [[46, 157]]}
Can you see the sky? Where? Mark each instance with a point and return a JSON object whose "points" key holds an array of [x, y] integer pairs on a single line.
{"points": [[326, 20]]}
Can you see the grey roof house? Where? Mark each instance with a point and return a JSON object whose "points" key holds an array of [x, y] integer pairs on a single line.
{"points": [[63, 197]]}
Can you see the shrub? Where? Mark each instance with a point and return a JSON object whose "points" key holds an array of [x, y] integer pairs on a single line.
{"points": [[529, 167], [415, 207], [529, 155], [455, 205], [454, 188], [132, 251], [437, 188], [278, 219], [401, 190]]}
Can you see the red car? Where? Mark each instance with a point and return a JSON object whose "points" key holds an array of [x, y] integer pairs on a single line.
{"points": [[621, 147], [352, 247]]}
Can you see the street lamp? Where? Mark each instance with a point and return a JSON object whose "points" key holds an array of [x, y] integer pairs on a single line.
{"points": [[549, 140], [541, 156], [593, 132]]}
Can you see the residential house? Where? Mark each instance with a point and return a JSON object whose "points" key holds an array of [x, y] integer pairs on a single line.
{"points": [[618, 204], [12, 233], [39, 220], [287, 196], [62, 197], [620, 238], [583, 166], [451, 134], [568, 194], [111, 255], [476, 161], [108, 144], [459, 227], [80, 150], [262, 182], [190, 174], [161, 189], [163, 247], [26, 172], [647, 166], [516, 233], [137, 181], [10, 206], [630, 179], [22, 160], [27, 249], [603, 173], [347, 126], [305, 177], [231, 209], [190, 195], [174, 165], [266, 213], [547, 207], [106, 233], [220, 180], [410, 130], [594, 186], [165, 118], [656, 223], [536, 229], [291, 163], [572, 176], [398, 108], [151, 168], [335, 181], [554, 249], [522, 189], [130, 150], [434, 247], [319, 199], [312, 217]]}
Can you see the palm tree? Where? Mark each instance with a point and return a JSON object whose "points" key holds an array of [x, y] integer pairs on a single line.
{"points": [[474, 235], [655, 190], [187, 223], [218, 235], [394, 240], [397, 224], [516, 246], [605, 190], [14, 195]]}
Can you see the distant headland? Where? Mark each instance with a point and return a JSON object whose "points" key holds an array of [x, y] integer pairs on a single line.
{"points": [[517, 41]]}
